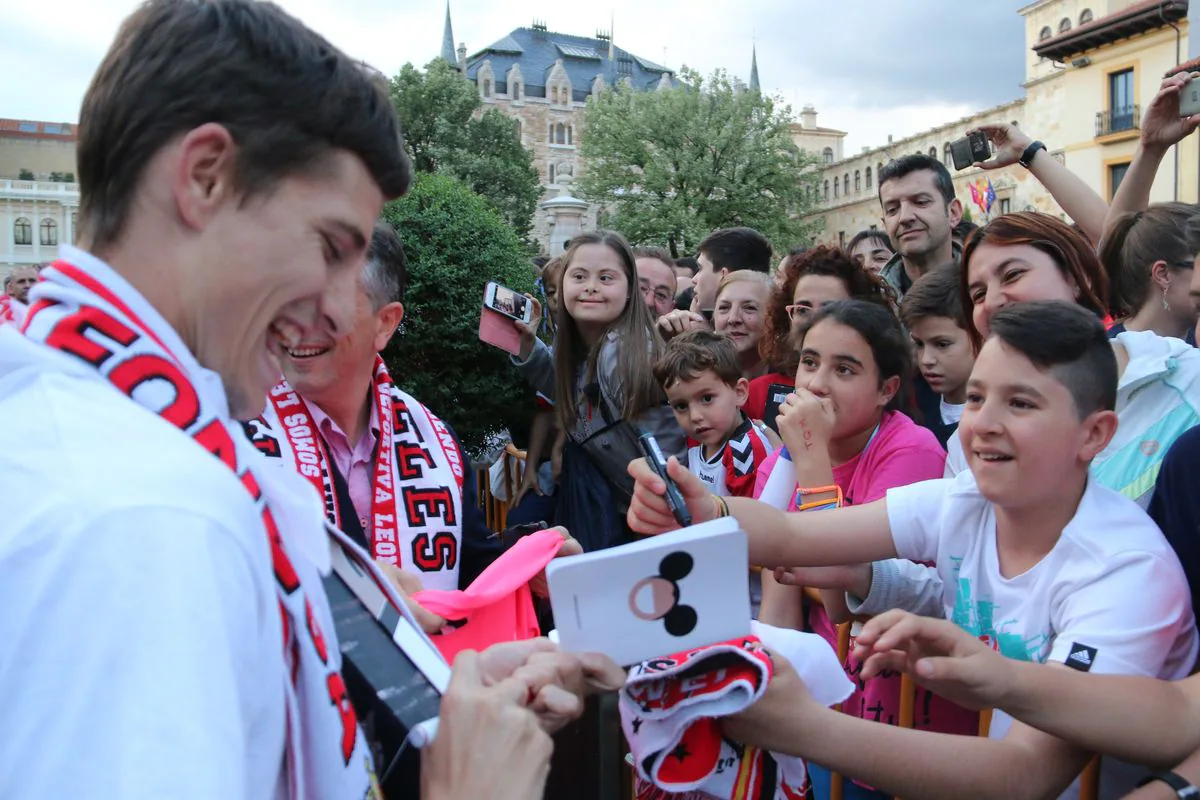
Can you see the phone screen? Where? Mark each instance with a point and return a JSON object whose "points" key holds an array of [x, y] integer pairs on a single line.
{"points": [[509, 303]]}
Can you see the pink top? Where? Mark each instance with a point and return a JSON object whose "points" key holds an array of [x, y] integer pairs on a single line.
{"points": [[900, 453], [354, 463]]}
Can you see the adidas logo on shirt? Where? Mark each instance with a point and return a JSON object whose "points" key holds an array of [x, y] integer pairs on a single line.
{"points": [[1081, 657]]}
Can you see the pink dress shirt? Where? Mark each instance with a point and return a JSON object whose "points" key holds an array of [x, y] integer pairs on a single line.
{"points": [[354, 462]]}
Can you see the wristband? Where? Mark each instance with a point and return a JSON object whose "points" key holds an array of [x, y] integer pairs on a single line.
{"points": [[816, 505], [1183, 789], [1026, 159], [722, 506]]}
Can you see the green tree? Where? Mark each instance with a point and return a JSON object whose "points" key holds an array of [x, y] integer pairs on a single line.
{"points": [[438, 112], [24, 175], [671, 166], [455, 243]]}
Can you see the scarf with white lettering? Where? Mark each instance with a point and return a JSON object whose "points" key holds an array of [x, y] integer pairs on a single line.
{"points": [[416, 510], [89, 313]]}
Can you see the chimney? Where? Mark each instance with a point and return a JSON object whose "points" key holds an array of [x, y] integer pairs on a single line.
{"points": [[808, 117], [889, 138]]}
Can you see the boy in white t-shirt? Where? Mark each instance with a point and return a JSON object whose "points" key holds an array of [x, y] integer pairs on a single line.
{"points": [[702, 378], [1038, 560]]}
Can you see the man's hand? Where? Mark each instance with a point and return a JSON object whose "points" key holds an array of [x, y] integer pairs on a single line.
{"points": [[939, 654], [1162, 126], [489, 744], [855, 578], [407, 584], [805, 423], [648, 510], [569, 547], [1008, 141], [528, 331], [557, 682], [766, 722], [529, 483], [676, 322]]}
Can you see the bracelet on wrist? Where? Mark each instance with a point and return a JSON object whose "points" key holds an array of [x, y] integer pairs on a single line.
{"points": [[721, 506], [817, 505], [1026, 159], [1184, 790]]}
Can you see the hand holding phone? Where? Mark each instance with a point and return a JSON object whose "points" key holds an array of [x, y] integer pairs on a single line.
{"points": [[971, 149], [656, 460], [505, 318]]}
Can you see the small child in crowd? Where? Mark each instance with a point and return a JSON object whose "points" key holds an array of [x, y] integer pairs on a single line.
{"points": [[932, 312]]}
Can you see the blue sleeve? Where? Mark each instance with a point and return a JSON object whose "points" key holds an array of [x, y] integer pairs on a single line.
{"points": [[1175, 505], [478, 549]]}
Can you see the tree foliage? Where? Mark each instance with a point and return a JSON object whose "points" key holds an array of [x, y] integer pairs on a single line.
{"points": [[455, 243], [438, 112], [671, 166]]}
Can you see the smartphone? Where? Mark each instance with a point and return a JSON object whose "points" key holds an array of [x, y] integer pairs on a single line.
{"points": [[971, 149], [507, 302], [1189, 98]]}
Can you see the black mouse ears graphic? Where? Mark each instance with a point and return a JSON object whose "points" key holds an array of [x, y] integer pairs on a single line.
{"points": [[680, 620]]}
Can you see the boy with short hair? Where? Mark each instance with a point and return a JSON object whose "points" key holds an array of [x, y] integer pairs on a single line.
{"points": [[1038, 560], [702, 377], [932, 312]]}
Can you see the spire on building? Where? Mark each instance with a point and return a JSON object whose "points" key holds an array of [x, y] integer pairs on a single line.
{"points": [[448, 54], [753, 66]]}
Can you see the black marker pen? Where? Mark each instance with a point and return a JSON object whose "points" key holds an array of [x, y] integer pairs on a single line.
{"points": [[658, 463]]}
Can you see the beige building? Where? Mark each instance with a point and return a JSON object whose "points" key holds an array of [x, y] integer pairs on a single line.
{"points": [[1092, 66], [825, 143], [35, 217], [42, 149]]}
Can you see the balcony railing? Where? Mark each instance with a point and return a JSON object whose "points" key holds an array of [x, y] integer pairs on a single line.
{"points": [[1118, 120]]}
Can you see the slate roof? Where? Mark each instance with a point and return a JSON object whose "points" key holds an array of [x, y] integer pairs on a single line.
{"points": [[582, 57]]}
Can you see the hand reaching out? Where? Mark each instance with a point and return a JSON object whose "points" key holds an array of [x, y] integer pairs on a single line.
{"points": [[407, 584], [648, 510], [1008, 144], [529, 331], [1162, 126]]}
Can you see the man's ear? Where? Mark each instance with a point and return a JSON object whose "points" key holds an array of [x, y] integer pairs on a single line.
{"points": [[389, 318], [202, 173], [956, 212]]}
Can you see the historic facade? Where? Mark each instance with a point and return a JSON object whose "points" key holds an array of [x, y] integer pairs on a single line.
{"points": [[1091, 67]]}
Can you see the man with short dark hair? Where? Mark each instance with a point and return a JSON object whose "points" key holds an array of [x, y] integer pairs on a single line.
{"points": [[919, 214], [724, 251], [656, 279], [174, 635]]}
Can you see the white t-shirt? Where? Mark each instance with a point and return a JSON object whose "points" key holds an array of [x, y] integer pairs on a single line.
{"points": [[1110, 595], [140, 647], [951, 412], [738, 450]]}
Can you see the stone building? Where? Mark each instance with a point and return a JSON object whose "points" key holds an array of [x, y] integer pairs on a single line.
{"points": [[37, 213], [544, 79], [1092, 66]]}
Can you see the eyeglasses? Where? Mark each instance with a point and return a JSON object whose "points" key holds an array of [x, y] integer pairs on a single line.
{"points": [[799, 311]]}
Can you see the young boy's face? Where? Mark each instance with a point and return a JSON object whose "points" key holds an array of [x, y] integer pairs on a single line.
{"points": [[1023, 439], [944, 356], [707, 408]]}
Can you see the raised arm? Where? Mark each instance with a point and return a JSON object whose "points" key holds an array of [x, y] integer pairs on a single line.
{"points": [[1162, 128], [776, 539], [1082, 205], [1133, 718]]}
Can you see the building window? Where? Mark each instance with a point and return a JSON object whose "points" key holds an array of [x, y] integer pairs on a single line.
{"points": [[516, 90], [1005, 206], [868, 178], [842, 239], [827, 154], [879, 172], [560, 134], [49, 232], [933, 153], [947, 156], [1116, 174], [846, 184], [570, 134], [550, 135], [487, 88], [837, 188], [22, 231], [1085, 16], [1045, 34], [550, 174], [826, 191], [1065, 25], [1120, 101]]}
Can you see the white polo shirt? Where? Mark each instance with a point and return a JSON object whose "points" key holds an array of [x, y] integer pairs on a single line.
{"points": [[140, 641]]}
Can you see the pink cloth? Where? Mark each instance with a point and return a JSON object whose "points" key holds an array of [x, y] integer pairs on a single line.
{"points": [[354, 463], [497, 606], [901, 453]]}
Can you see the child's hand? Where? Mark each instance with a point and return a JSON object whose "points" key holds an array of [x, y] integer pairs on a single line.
{"points": [[939, 654], [805, 423], [649, 512], [529, 331]]}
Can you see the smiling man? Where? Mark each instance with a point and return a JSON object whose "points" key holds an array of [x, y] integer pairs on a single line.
{"points": [[919, 213]]}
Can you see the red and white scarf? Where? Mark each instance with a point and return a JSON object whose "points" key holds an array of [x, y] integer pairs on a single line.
{"points": [[89, 313], [12, 310], [416, 512]]}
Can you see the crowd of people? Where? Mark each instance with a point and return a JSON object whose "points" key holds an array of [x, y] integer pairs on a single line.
{"points": [[984, 437]]}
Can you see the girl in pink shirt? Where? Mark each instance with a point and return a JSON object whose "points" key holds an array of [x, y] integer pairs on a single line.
{"points": [[843, 428]]}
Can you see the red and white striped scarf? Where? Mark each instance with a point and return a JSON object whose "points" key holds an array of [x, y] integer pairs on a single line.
{"points": [[89, 313], [416, 478]]}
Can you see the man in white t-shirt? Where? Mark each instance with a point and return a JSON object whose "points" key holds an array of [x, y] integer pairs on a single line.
{"points": [[166, 630], [1037, 559]]}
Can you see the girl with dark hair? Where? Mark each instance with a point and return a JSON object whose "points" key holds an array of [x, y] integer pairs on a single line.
{"points": [[855, 362], [602, 401], [808, 281], [1032, 256], [871, 250], [1150, 261]]}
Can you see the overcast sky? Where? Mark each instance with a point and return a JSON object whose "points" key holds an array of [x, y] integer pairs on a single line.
{"points": [[871, 67]]}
